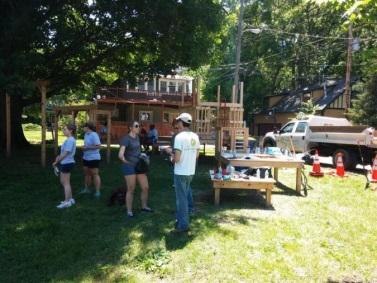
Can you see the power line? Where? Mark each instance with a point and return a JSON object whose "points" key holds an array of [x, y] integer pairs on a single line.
{"points": [[270, 56], [261, 29]]}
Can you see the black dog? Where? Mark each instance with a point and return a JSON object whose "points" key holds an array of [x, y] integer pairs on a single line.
{"points": [[119, 196]]}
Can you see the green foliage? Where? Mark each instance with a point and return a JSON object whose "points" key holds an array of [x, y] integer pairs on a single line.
{"points": [[84, 43], [286, 54], [364, 107], [309, 108], [79, 45]]}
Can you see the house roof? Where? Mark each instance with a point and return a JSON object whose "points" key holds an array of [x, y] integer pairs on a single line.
{"points": [[291, 102]]}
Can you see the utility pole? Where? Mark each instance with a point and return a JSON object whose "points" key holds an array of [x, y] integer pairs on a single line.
{"points": [[238, 52], [347, 86]]}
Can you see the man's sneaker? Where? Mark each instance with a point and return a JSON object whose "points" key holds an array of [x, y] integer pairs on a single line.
{"points": [[72, 201], [130, 214], [84, 191], [97, 194], [65, 204]]}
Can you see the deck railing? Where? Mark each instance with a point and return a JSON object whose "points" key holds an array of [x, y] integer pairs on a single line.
{"points": [[143, 95]]}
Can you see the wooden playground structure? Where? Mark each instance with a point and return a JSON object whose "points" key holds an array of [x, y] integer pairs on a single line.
{"points": [[219, 123]]}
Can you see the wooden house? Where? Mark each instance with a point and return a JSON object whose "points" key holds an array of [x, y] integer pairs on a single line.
{"points": [[279, 109], [157, 101]]}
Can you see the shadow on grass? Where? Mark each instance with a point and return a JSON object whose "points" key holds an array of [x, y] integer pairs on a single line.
{"points": [[285, 190], [40, 243]]}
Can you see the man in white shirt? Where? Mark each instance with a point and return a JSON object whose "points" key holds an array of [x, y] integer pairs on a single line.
{"points": [[186, 148]]}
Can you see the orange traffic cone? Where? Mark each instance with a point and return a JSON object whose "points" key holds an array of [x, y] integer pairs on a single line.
{"points": [[339, 165], [316, 170], [374, 171]]}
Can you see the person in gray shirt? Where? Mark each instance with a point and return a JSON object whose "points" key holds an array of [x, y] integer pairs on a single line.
{"points": [[129, 154]]}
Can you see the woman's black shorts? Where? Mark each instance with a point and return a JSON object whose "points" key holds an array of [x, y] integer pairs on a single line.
{"points": [[66, 168], [91, 163]]}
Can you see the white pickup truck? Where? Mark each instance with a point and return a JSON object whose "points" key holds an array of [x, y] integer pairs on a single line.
{"points": [[330, 136]]}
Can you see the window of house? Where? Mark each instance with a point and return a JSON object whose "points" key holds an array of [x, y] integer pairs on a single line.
{"points": [[165, 117], [168, 117], [171, 86], [141, 85], [146, 116], [163, 86], [187, 88], [181, 87], [151, 85]]}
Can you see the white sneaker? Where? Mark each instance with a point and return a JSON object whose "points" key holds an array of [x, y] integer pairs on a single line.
{"points": [[72, 201], [65, 204]]}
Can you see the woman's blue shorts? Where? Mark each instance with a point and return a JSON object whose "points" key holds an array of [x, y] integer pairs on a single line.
{"points": [[128, 169]]}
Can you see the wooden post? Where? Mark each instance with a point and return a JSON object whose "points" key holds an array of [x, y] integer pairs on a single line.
{"points": [[268, 197], [133, 112], [198, 91], [347, 87], [233, 94], [74, 117], [94, 117], [298, 181], [8, 124], [241, 94], [56, 129], [238, 52], [276, 174], [42, 85], [218, 97], [217, 196], [108, 139]]}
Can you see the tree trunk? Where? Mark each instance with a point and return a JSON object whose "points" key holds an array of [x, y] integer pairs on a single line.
{"points": [[17, 134]]}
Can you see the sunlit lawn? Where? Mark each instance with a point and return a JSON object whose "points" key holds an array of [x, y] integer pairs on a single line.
{"points": [[332, 233]]}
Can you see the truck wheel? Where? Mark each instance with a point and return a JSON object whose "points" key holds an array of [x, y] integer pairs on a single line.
{"points": [[349, 158], [269, 143]]}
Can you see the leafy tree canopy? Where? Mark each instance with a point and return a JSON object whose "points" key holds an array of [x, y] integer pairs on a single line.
{"points": [[71, 42], [76, 45], [289, 44]]}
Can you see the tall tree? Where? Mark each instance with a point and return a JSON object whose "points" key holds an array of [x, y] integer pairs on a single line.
{"points": [[289, 44], [72, 43], [364, 106]]}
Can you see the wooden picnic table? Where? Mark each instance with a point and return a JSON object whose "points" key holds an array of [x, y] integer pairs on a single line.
{"points": [[264, 160], [252, 183]]}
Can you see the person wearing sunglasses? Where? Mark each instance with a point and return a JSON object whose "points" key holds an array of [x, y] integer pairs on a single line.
{"points": [[129, 154]]}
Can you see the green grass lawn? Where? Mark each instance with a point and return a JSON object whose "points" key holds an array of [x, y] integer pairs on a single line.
{"points": [[332, 233], [34, 137]]}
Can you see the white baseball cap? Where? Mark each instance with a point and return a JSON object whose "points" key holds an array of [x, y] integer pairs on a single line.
{"points": [[184, 117]]}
